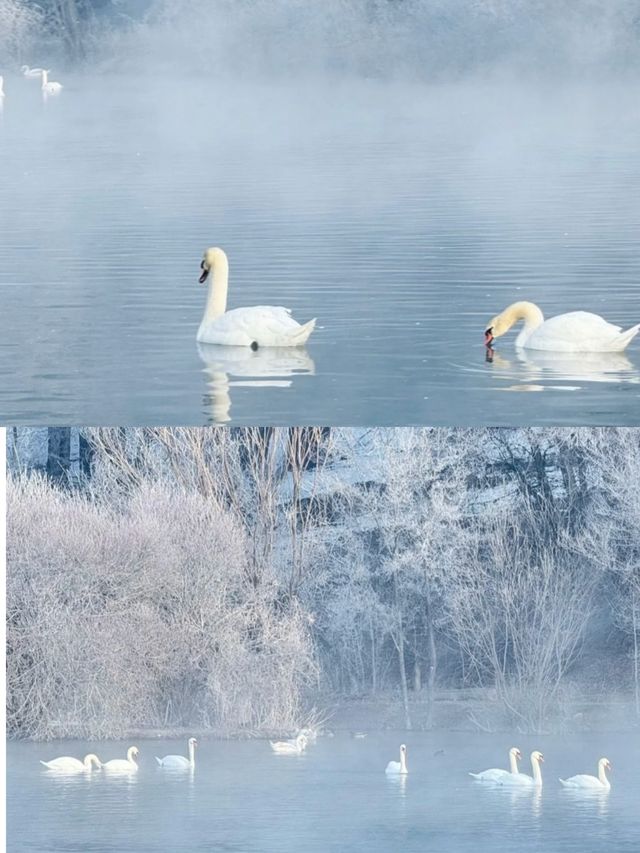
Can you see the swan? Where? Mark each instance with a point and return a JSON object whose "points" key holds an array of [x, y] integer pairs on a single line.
{"points": [[66, 764], [495, 773], [33, 72], [584, 780], [395, 767], [179, 762], [127, 763], [521, 779], [258, 326], [577, 331], [52, 88], [290, 747]]}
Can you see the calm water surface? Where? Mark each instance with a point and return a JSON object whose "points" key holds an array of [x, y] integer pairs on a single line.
{"points": [[336, 797], [402, 216]]}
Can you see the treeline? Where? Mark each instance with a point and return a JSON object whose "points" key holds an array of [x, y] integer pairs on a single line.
{"points": [[228, 578]]}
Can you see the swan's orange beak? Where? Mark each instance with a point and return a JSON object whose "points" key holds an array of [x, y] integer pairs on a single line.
{"points": [[204, 274], [488, 337]]}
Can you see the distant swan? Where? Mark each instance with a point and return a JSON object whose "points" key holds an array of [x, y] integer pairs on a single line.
{"points": [[577, 331], [179, 762], [290, 747], [394, 767], [127, 763], [67, 764], [48, 88], [495, 773], [33, 72], [584, 780], [521, 779], [259, 326]]}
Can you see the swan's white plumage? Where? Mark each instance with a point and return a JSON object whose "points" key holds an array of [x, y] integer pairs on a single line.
{"points": [[67, 764], [398, 767], [521, 779], [123, 764], [179, 762], [257, 326], [576, 331], [290, 747], [584, 780], [50, 88], [495, 774]]}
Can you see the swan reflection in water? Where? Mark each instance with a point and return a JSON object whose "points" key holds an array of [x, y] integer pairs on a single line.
{"points": [[588, 799], [530, 367], [231, 367]]}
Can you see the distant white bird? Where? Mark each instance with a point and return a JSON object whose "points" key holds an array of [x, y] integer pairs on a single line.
{"points": [[123, 764], [495, 774], [179, 762], [256, 326], [33, 72], [290, 747], [52, 88], [66, 764], [584, 780], [395, 767]]}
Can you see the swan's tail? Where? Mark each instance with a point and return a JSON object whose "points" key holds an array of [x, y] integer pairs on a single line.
{"points": [[300, 335], [563, 782], [159, 760], [625, 338], [474, 775], [44, 763]]}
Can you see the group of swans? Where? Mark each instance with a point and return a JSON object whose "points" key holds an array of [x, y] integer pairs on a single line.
{"points": [[513, 777], [49, 87], [271, 326], [577, 331], [67, 764]]}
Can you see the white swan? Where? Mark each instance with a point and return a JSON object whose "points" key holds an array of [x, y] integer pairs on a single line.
{"points": [[290, 747], [66, 764], [495, 773], [179, 762], [584, 780], [259, 326], [33, 72], [49, 88], [394, 767], [127, 763], [521, 779], [577, 331]]}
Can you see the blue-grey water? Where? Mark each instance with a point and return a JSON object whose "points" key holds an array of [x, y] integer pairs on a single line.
{"points": [[402, 216], [335, 797]]}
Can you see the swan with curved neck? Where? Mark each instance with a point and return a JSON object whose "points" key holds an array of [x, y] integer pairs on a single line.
{"points": [[584, 780], [49, 88], [398, 767], [67, 764], [179, 762], [126, 764], [257, 326], [495, 774], [290, 747], [577, 331], [521, 778]]}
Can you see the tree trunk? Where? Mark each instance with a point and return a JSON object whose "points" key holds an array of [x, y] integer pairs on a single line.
{"points": [[403, 679], [433, 662]]}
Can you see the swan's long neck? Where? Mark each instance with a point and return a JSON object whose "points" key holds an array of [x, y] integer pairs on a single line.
{"points": [[91, 759], [527, 311], [403, 761], [513, 762], [45, 78], [217, 294], [537, 775], [192, 754], [131, 755], [602, 774]]}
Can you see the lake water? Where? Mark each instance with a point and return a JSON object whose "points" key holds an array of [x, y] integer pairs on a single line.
{"points": [[335, 797], [402, 216]]}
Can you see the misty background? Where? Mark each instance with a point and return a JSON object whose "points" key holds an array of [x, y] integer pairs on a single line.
{"points": [[245, 581]]}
